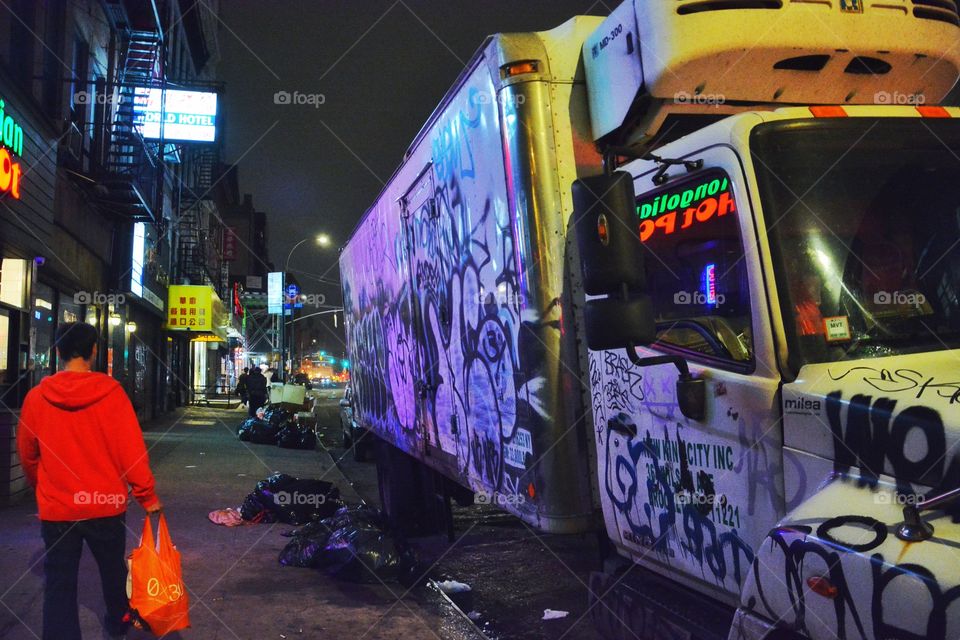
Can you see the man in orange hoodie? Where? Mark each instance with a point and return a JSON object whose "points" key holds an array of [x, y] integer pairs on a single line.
{"points": [[81, 446]]}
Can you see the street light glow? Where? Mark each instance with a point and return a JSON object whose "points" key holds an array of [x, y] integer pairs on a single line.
{"points": [[323, 240]]}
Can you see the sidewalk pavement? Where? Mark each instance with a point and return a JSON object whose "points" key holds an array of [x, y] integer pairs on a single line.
{"points": [[237, 587]]}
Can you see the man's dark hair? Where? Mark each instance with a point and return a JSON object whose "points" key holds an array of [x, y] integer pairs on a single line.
{"points": [[246, 369], [75, 340]]}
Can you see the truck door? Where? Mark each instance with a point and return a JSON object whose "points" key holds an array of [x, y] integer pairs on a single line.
{"points": [[695, 497], [430, 244]]}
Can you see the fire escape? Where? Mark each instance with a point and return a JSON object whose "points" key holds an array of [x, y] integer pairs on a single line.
{"points": [[200, 232], [132, 171]]}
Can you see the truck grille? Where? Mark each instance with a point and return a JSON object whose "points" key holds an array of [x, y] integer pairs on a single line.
{"points": [[942, 10]]}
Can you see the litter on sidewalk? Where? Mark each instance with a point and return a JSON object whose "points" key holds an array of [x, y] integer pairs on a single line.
{"points": [[353, 545], [452, 586], [283, 498], [282, 427], [551, 614], [229, 517]]}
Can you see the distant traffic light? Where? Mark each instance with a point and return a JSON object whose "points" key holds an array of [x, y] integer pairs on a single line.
{"points": [[345, 363]]}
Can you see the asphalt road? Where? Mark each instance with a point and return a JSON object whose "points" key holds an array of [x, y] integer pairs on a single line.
{"points": [[515, 572]]}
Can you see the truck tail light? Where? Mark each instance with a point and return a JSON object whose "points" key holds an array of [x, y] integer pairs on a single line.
{"points": [[825, 111]]}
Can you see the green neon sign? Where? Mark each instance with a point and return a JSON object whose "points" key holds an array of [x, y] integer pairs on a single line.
{"points": [[11, 133]]}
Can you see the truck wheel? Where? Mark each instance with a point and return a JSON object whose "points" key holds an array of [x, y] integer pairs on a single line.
{"points": [[361, 447], [409, 492], [344, 437]]}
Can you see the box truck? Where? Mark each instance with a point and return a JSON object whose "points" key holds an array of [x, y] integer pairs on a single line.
{"points": [[688, 274]]}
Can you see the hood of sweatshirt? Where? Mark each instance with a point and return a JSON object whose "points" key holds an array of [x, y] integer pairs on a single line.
{"points": [[75, 390]]}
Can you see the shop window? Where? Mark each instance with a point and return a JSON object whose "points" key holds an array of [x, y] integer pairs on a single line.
{"points": [[695, 268], [42, 329], [69, 311], [5, 345], [13, 282]]}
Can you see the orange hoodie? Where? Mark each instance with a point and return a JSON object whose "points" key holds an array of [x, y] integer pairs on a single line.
{"points": [[81, 445]]}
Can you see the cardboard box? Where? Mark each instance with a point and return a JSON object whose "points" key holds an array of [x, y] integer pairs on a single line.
{"points": [[276, 393], [293, 397]]}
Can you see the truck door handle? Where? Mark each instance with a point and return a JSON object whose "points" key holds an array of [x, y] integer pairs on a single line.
{"points": [[619, 425]]}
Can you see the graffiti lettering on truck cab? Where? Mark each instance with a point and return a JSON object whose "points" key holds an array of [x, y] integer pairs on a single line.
{"points": [[674, 506], [909, 444], [902, 381]]}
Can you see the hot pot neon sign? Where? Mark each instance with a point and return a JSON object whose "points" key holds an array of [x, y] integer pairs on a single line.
{"points": [[11, 144]]}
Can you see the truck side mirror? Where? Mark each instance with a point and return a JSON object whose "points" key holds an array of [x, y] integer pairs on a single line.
{"points": [[611, 261]]}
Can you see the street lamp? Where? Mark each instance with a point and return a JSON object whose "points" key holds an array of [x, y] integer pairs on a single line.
{"points": [[322, 240]]}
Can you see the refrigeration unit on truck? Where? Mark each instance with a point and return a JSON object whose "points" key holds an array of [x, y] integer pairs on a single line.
{"points": [[694, 267]]}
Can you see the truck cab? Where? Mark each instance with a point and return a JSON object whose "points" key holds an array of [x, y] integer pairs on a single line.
{"points": [[803, 264]]}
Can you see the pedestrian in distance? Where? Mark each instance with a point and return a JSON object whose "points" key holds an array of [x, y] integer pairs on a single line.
{"points": [[81, 446], [256, 391], [242, 385]]}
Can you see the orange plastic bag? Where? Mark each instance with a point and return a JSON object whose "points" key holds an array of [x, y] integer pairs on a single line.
{"points": [[158, 598]]}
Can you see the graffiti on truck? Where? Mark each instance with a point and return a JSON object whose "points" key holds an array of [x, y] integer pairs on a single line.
{"points": [[909, 444], [864, 599], [664, 488], [902, 380], [448, 349]]}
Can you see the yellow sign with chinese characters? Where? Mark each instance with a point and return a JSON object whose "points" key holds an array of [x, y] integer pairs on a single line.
{"points": [[197, 309], [190, 308]]}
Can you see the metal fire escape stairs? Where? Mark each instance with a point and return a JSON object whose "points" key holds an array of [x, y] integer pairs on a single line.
{"points": [[199, 259], [133, 166]]}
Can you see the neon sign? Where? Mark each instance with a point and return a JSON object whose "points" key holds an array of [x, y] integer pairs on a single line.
{"points": [[175, 115], [680, 209], [710, 283], [11, 144]]}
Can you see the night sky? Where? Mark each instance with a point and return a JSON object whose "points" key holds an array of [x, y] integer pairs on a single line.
{"points": [[381, 66]]}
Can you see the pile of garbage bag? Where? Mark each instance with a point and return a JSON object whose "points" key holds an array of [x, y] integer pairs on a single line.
{"points": [[284, 498], [355, 545], [277, 427], [258, 431], [296, 436]]}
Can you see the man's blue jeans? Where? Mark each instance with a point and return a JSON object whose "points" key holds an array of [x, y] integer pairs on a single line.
{"points": [[106, 538]]}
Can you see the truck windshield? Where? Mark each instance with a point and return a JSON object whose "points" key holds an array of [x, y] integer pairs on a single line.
{"points": [[863, 216]]}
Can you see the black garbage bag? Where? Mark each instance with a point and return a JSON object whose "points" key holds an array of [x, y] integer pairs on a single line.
{"points": [[357, 547], [293, 436], [253, 510], [297, 500], [262, 432], [305, 549], [277, 416], [247, 426]]}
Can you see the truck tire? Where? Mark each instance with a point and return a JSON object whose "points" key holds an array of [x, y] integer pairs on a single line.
{"points": [[410, 492], [361, 447]]}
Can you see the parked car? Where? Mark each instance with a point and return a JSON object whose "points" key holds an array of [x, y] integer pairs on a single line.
{"points": [[352, 434]]}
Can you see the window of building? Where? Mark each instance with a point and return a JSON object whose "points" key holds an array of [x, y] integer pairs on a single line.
{"points": [[42, 328], [5, 346], [696, 273], [13, 282]]}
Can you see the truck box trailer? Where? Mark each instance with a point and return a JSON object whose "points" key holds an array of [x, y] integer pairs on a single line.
{"points": [[690, 271]]}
